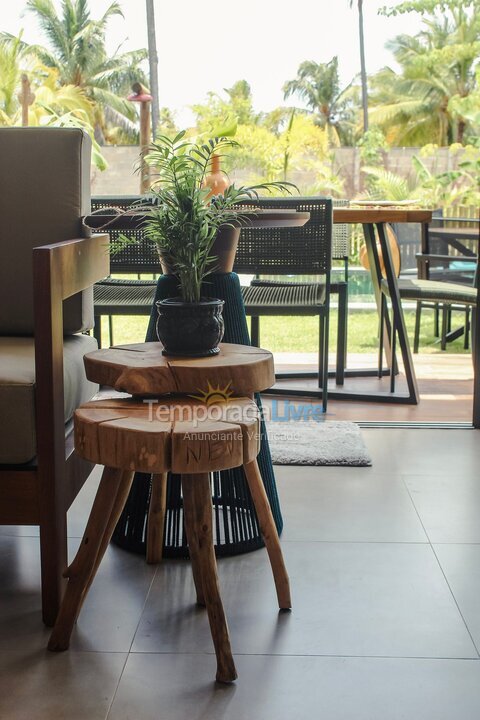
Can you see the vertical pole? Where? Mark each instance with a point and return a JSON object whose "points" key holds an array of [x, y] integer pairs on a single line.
{"points": [[363, 70], [26, 98], [144, 143], [153, 64]]}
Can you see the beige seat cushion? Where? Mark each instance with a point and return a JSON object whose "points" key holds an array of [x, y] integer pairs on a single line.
{"points": [[17, 391]]}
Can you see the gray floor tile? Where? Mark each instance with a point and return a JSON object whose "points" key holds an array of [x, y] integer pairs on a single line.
{"points": [[175, 687], [111, 612], [39, 685], [447, 505], [461, 565], [346, 504], [349, 599], [455, 452]]}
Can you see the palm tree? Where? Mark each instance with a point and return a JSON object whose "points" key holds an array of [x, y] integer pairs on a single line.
{"points": [[77, 52], [363, 69], [50, 101], [437, 64], [318, 85]]}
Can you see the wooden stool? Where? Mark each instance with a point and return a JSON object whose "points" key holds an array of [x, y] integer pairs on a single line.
{"points": [[184, 436]]}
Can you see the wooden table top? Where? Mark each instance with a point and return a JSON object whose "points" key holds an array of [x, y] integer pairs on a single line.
{"points": [[142, 370], [368, 215], [257, 219]]}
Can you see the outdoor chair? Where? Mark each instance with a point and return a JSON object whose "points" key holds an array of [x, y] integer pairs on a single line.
{"points": [[131, 295], [303, 251], [442, 259], [46, 305], [424, 291]]}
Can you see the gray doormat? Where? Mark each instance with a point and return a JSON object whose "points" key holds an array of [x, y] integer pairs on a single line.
{"points": [[317, 443]]}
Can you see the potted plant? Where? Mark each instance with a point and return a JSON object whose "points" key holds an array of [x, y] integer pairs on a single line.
{"points": [[190, 229]]}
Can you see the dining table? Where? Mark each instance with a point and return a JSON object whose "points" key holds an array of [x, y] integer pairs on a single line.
{"points": [[374, 219]]}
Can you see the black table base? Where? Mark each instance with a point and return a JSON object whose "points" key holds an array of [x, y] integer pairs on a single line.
{"points": [[236, 527]]}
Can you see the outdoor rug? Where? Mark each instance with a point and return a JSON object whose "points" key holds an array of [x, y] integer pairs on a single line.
{"points": [[317, 443]]}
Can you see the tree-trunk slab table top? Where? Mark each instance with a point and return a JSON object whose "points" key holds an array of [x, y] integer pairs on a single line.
{"points": [[179, 434], [143, 370]]}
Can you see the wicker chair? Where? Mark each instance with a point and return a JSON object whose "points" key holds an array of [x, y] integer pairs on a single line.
{"points": [[450, 260], [283, 297], [290, 251], [119, 296], [427, 292]]}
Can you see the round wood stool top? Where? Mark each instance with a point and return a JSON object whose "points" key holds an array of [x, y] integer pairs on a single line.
{"points": [[143, 370], [181, 434]]}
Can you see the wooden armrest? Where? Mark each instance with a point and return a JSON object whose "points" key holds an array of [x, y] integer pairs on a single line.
{"points": [[73, 265]]}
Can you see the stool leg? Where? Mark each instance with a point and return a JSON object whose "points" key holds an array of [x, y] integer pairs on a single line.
{"points": [[197, 504], [107, 506], [269, 534], [189, 522], [156, 518]]}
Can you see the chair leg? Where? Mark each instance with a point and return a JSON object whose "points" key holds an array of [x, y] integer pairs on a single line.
{"points": [[97, 329], [321, 349], [341, 334], [53, 560], [416, 337], [197, 504], [443, 340], [393, 369], [156, 518], [383, 303], [466, 336], [323, 359], [436, 321], [107, 506], [269, 534], [255, 330], [110, 329]]}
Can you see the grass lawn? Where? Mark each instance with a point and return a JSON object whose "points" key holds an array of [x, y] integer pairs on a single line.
{"points": [[300, 334]]}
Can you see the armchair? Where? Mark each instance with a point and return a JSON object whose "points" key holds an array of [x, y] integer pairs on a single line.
{"points": [[46, 306]]}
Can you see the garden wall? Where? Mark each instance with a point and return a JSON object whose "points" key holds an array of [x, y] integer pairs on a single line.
{"points": [[120, 177]]}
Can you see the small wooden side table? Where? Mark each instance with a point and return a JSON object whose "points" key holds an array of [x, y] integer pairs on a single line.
{"points": [[186, 435]]}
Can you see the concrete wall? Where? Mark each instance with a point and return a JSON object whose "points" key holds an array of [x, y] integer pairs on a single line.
{"points": [[120, 177]]}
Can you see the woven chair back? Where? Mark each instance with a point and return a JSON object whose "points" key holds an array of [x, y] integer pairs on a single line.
{"points": [[303, 250]]}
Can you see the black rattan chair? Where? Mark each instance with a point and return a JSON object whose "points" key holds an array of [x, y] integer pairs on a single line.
{"points": [[125, 296], [448, 254], [426, 292], [291, 251]]}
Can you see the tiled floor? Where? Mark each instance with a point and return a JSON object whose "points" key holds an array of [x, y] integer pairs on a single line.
{"points": [[385, 570]]}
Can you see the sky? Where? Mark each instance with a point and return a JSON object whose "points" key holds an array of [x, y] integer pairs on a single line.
{"points": [[207, 46]]}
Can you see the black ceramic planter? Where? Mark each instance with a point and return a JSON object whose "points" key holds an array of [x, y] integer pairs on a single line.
{"points": [[190, 329]]}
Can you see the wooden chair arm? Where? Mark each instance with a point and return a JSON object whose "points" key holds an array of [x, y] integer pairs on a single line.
{"points": [[59, 271], [73, 265]]}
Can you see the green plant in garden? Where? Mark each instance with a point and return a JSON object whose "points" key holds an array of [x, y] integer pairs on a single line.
{"points": [[437, 64], [185, 222], [334, 108], [76, 51]]}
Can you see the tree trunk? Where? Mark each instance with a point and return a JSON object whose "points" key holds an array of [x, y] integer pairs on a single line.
{"points": [[153, 65], [363, 70]]}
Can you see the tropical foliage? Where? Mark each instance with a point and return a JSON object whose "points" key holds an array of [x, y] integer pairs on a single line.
{"points": [[437, 72], [334, 108], [76, 56]]}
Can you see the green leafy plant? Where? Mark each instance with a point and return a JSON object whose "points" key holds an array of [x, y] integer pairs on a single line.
{"points": [[185, 220]]}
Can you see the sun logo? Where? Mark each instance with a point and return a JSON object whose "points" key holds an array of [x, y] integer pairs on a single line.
{"points": [[213, 395]]}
